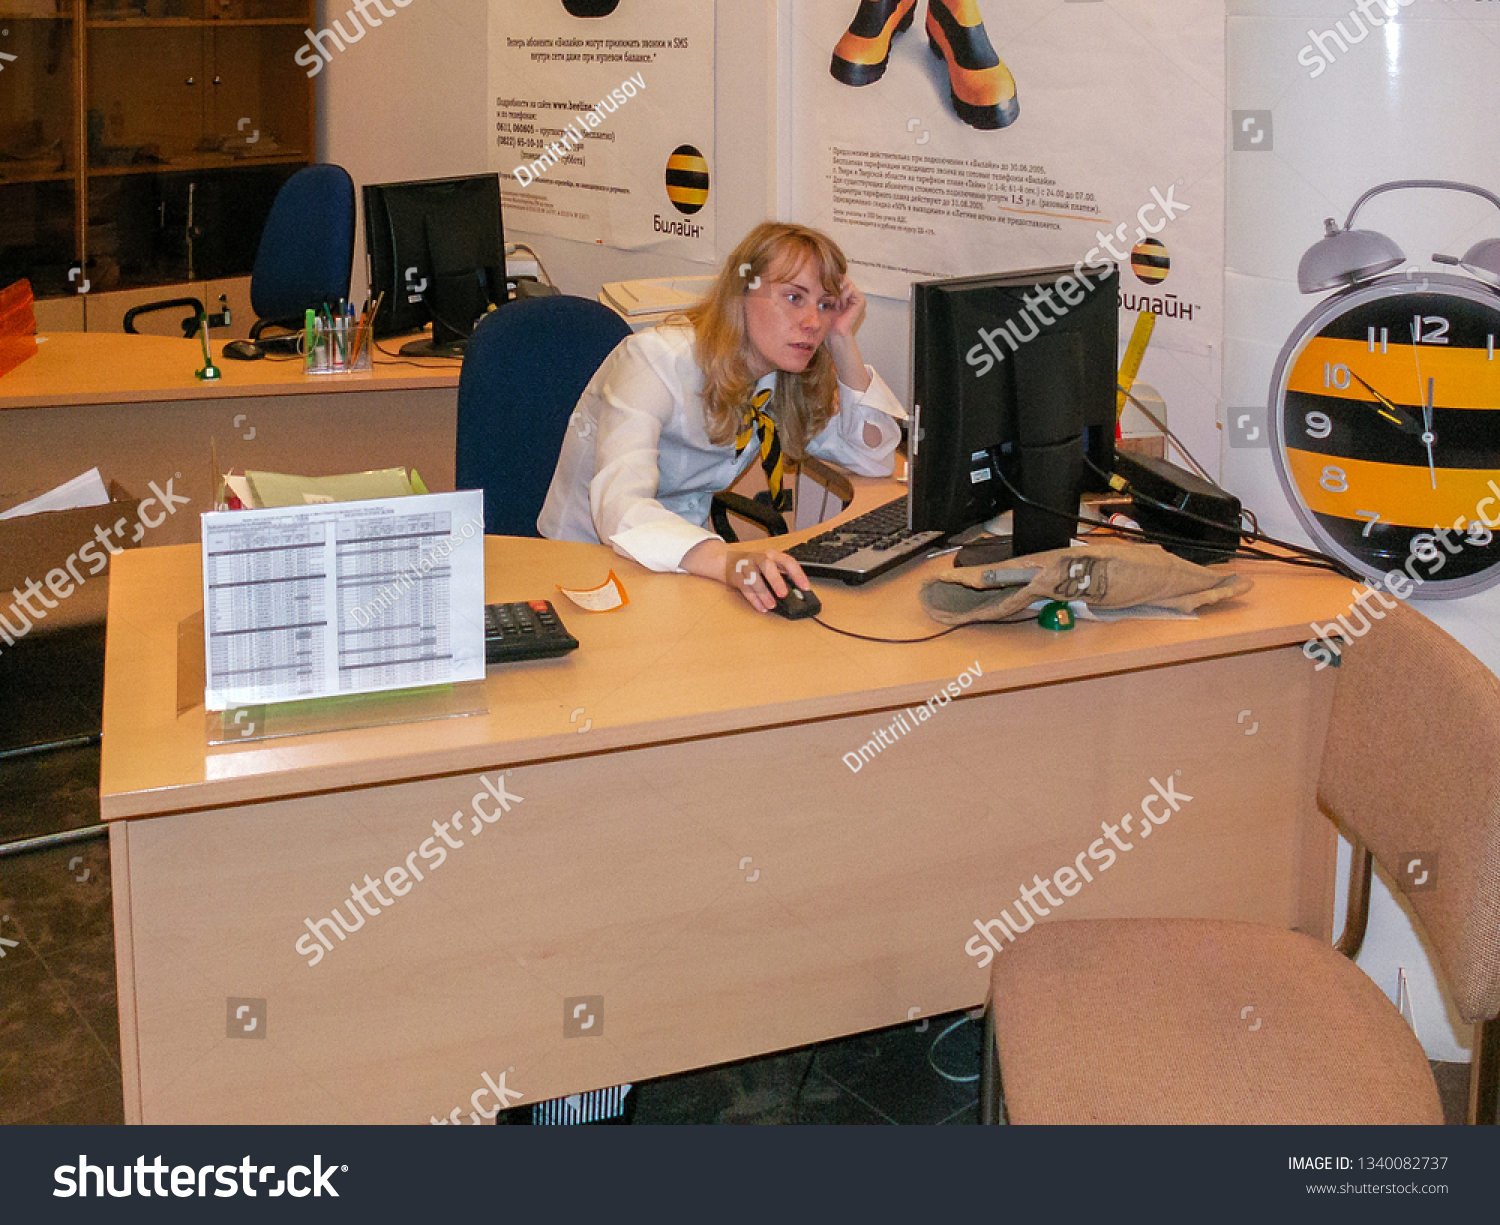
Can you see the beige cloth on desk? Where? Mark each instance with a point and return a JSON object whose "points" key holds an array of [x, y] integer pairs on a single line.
{"points": [[1102, 576]]}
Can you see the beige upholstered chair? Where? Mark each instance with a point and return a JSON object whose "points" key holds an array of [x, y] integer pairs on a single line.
{"points": [[1203, 1021]]}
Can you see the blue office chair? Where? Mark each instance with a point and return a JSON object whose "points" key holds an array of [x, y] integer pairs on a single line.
{"points": [[304, 258], [524, 368]]}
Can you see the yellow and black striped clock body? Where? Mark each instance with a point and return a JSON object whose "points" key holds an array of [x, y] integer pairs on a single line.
{"points": [[1385, 428]]}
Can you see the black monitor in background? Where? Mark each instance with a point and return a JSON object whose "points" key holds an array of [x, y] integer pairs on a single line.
{"points": [[1013, 376], [437, 251]]}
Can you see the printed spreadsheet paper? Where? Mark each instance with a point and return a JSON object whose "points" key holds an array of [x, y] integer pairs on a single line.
{"points": [[343, 598]]}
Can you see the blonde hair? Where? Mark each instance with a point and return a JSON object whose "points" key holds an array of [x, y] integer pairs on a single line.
{"points": [[802, 404]]}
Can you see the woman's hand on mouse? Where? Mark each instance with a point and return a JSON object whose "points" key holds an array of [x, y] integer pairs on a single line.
{"points": [[760, 576]]}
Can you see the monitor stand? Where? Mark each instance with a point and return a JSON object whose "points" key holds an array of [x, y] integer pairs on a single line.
{"points": [[432, 348], [985, 551], [451, 296]]}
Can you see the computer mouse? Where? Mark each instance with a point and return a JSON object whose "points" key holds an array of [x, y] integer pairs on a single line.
{"points": [[243, 350], [1056, 616], [797, 604]]}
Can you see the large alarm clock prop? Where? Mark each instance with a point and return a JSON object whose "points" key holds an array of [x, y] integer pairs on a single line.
{"points": [[1385, 409]]}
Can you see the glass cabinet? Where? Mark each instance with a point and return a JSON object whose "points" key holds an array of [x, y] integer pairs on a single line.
{"points": [[151, 137]]}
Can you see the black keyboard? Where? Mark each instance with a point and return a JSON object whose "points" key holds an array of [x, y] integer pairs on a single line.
{"points": [[867, 545], [524, 631]]}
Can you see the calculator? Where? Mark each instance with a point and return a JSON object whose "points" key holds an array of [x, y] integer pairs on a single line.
{"points": [[528, 630]]}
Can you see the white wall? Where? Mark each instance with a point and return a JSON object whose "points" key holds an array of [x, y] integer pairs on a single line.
{"points": [[1413, 98], [407, 101]]}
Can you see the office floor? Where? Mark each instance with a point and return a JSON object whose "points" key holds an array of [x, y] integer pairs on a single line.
{"points": [[59, 1028]]}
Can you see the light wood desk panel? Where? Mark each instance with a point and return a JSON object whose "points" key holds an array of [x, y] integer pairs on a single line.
{"points": [[131, 406], [690, 844]]}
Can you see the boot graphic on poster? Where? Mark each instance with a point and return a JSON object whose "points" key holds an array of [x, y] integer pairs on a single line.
{"points": [[861, 54], [981, 88]]}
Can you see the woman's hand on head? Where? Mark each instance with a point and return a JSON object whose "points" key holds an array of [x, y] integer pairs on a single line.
{"points": [[760, 576], [842, 347], [848, 312]]}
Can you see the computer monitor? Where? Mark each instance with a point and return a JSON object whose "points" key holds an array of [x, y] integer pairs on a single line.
{"points": [[1014, 377], [436, 250]]}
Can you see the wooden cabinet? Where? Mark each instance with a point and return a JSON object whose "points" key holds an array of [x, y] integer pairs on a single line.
{"points": [[40, 214], [142, 141]]}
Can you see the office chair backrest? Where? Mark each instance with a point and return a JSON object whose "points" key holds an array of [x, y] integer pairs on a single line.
{"points": [[306, 249], [524, 369], [1412, 766]]}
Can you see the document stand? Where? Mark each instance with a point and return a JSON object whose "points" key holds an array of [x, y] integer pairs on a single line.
{"points": [[246, 724]]}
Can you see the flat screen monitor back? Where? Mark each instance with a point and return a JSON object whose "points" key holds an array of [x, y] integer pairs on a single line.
{"points": [[436, 250], [1013, 374]]}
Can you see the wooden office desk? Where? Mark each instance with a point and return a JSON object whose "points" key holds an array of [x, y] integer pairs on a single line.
{"points": [[131, 406], [691, 848]]}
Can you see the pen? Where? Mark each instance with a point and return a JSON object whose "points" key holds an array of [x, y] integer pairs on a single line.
{"points": [[359, 335], [370, 327]]}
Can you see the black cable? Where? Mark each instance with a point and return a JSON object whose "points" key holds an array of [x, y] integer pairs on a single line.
{"points": [[1226, 552], [895, 641], [1323, 559]]}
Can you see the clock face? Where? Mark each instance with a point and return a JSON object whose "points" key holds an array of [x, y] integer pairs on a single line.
{"points": [[1385, 429]]}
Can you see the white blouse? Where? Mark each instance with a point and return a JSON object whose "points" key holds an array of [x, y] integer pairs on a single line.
{"points": [[637, 468]]}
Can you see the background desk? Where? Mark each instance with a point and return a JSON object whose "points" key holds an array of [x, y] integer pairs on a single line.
{"points": [[131, 406], [690, 847]]}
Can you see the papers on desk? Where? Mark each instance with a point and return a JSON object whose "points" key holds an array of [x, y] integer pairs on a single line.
{"points": [[343, 598], [261, 489], [85, 490]]}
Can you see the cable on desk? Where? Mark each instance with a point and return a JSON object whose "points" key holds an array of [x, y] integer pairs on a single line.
{"points": [[892, 641], [940, 634], [1306, 557], [1318, 559]]}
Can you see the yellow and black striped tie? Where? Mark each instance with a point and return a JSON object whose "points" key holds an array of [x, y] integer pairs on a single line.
{"points": [[770, 446]]}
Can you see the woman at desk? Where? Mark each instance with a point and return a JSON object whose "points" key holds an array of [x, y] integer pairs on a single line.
{"points": [[765, 366]]}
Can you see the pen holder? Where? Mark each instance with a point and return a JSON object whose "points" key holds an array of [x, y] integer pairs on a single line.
{"points": [[337, 346]]}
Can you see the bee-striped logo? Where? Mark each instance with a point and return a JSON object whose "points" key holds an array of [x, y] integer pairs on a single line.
{"points": [[687, 179], [1150, 262]]}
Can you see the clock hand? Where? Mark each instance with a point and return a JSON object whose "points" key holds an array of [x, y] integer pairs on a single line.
{"points": [[1428, 436], [1393, 413]]}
